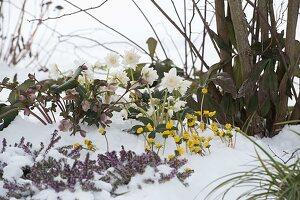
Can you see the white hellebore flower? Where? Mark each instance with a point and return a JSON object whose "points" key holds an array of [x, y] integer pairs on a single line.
{"points": [[179, 105], [124, 113], [149, 75], [119, 77], [131, 59], [54, 72], [112, 60], [170, 80], [170, 112], [184, 85]]}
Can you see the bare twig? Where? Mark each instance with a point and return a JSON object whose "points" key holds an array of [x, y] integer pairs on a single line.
{"points": [[153, 29], [193, 47], [69, 14], [284, 161]]}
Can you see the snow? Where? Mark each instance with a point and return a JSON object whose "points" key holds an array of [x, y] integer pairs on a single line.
{"points": [[221, 161]]}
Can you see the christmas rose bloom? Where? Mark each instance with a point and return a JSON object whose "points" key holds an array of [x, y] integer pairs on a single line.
{"points": [[112, 60], [131, 59], [179, 105], [149, 75], [86, 105], [119, 77], [171, 81], [184, 85], [54, 72], [65, 125]]}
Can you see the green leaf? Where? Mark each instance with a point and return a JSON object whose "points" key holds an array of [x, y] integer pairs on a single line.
{"points": [[152, 43], [70, 84], [145, 120], [134, 128], [136, 72], [12, 97], [26, 84], [253, 104], [160, 128], [253, 77], [264, 106], [82, 91], [7, 118], [206, 76], [164, 66], [152, 134], [296, 71]]}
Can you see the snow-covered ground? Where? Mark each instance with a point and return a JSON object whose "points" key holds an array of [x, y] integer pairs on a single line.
{"points": [[221, 161]]}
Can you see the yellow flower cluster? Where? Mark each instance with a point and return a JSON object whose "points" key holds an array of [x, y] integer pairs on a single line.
{"points": [[89, 144], [102, 131]]}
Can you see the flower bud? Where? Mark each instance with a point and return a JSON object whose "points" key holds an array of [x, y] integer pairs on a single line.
{"points": [[31, 76], [22, 97], [86, 105], [32, 97]]}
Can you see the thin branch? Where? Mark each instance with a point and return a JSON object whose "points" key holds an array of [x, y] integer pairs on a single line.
{"points": [[114, 30], [69, 14], [284, 161], [181, 32], [157, 37]]}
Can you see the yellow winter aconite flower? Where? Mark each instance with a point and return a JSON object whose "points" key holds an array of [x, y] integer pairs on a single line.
{"points": [[221, 134], [209, 138], [149, 127], [228, 133], [172, 133], [202, 126], [195, 136], [158, 145], [147, 148], [191, 123], [166, 133], [197, 149], [211, 114], [206, 144], [76, 145], [89, 144], [204, 91], [177, 139], [196, 142], [228, 126], [186, 135], [169, 124], [171, 156], [190, 143], [237, 129], [102, 130], [86, 142], [188, 116], [180, 150], [206, 112], [198, 113], [139, 130], [187, 169], [214, 128], [151, 141]]}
